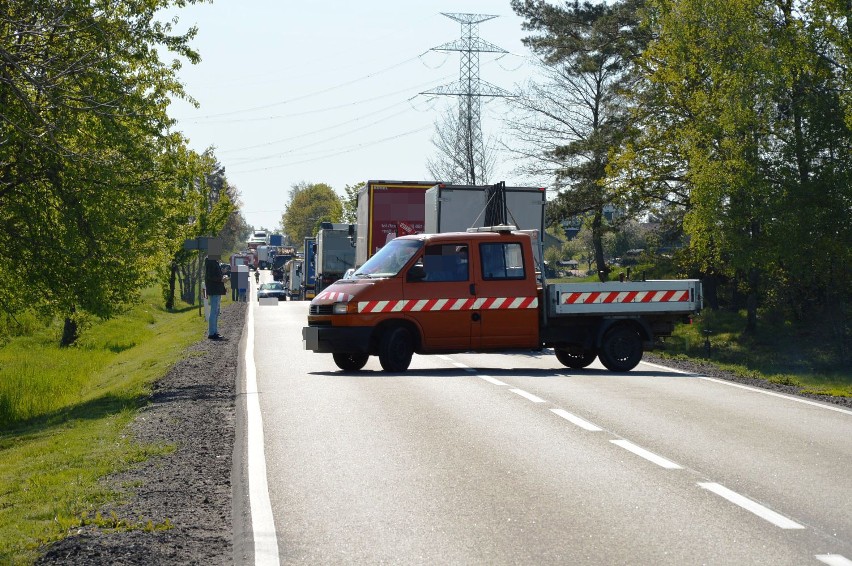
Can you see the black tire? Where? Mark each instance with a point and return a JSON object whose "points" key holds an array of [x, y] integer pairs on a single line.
{"points": [[396, 349], [575, 360], [621, 349], [350, 362]]}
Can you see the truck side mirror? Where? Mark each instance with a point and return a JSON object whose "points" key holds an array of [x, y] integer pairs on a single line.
{"points": [[416, 273]]}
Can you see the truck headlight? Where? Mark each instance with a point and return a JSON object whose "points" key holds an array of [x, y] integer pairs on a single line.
{"points": [[340, 308]]}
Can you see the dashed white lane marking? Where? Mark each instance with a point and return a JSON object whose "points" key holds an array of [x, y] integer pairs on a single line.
{"points": [[526, 395], [756, 389], [763, 512], [262, 520], [492, 380], [650, 456], [834, 559], [582, 423]]}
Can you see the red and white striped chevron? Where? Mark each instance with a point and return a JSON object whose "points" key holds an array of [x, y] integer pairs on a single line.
{"points": [[427, 305], [603, 297], [335, 296]]}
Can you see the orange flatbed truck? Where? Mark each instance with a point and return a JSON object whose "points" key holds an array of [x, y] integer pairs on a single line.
{"points": [[480, 291]]}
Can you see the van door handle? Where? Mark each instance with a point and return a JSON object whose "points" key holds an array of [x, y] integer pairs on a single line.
{"points": [[473, 288], [475, 317]]}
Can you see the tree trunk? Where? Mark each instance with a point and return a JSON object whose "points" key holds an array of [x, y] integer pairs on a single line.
{"points": [[70, 331], [170, 298], [597, 242], [751, 301]]}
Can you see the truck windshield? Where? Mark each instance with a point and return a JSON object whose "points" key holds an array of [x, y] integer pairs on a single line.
{"points": [[390, 259]]}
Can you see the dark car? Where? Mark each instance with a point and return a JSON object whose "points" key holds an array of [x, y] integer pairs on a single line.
{"points": [[274, 289]]}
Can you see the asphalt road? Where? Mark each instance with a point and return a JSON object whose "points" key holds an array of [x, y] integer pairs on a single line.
{"points": [[513, 459]]}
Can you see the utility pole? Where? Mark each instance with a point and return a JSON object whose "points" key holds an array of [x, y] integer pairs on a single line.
{"points": [[470, 89]]}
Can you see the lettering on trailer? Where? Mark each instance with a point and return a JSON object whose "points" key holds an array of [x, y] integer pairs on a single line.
{"points": [[405, 228], [604, 297], [430, 305]]}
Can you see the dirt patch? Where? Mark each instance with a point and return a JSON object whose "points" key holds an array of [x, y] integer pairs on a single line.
{"points": [[187, 491]]}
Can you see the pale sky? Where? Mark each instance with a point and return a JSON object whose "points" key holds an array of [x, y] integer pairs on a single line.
{"points": [[328, 92]]}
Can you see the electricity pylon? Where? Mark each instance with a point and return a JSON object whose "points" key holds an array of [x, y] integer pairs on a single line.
{"points": [[469, 147]]}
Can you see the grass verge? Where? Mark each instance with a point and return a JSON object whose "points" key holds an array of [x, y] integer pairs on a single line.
{"points": [[64, 414], [804, 355]]}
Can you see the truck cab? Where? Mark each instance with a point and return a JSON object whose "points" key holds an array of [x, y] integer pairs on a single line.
{"points": [[430, 293]]}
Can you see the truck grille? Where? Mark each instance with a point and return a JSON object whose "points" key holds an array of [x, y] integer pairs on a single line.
{"points": [[322, 309]]}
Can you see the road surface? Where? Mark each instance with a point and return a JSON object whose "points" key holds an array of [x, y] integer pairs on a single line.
{"points": [[511, 458]]}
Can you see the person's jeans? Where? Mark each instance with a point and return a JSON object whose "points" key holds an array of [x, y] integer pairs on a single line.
{"points": [[212, 322]]}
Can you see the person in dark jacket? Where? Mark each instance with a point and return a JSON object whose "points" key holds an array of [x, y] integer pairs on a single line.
{"points": [[215, 284]]}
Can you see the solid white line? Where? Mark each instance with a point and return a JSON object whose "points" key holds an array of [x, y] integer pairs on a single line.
{"points": [[756, 389], [650, 456], [834, 559], [262, 520], [526, 395], [763, 512], [490, 379], [582, 423]]}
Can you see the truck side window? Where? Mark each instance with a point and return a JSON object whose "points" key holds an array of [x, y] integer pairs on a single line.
{"points": [[502, 261], [443, 263]]}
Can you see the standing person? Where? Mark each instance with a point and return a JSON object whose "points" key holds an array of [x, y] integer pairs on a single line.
{"points": [[215, 284]]}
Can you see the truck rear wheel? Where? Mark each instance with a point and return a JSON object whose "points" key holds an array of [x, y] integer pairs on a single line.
{"points": [[396, 349], [350, 362], [577, 359], [621, 349]]}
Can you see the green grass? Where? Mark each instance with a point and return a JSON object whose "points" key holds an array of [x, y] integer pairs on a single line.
{"points": [[801, 354], [64, 413]]}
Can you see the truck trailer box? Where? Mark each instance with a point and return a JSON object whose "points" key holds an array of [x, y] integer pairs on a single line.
{"points": [[387, 209], [455, 208], [335, 252]]}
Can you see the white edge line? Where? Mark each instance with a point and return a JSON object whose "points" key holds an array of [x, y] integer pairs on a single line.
{"points": [[582, 423], [526, 395], [834, 559], [763, 512], [756, 389], [490, 379], [262, 519], [650, 456]]}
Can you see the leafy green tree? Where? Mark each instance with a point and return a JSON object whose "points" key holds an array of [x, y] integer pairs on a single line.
{"points": [[741, 124], [83, 128], [573, 121], [309, 206], [350, 203], [204, 208]]}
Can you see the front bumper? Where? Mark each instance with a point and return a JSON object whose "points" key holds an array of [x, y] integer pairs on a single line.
{"points": [[337, 340]]}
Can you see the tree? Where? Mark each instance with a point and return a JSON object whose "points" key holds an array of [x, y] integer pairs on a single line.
{"points": [[350, 203], [204, 209], [309, 206], [83, 132], [572, 122], [741, 119], [450, 166]]}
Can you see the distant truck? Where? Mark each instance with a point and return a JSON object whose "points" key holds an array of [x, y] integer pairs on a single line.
{"points": [[335, 252], [387, 209], [307, 287], [481, 291], [293, 278], [285, 254], [264, 257]]}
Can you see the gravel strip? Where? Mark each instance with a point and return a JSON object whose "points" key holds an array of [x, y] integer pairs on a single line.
{"points": [[192, 408]]}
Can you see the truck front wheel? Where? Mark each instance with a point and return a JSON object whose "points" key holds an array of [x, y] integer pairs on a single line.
{"points": [[621, 349], [350, 362], [577, 359], [396, 349]]}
